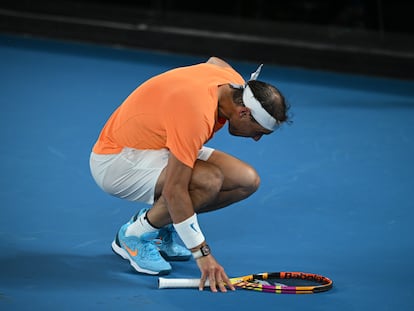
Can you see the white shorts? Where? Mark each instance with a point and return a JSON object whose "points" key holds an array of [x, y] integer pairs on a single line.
{"points": [[132, 174]]}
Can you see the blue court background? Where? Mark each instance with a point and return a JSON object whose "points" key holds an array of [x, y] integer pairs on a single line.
{"points": [[336, 194]]}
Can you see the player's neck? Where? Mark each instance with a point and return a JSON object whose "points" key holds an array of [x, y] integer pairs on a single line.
{"points": [[225, 102]]}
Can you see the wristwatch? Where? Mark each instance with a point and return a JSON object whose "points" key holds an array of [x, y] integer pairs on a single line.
{"points": [[203, 251]]}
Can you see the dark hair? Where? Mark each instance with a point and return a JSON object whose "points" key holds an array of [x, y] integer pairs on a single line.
{"points": [[270, 98]]}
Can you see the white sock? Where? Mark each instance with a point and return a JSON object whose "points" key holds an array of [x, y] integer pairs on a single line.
{"points": [[140, 226]]}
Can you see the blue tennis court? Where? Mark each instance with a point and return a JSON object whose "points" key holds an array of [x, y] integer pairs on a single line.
{"points": [[335, 199]]}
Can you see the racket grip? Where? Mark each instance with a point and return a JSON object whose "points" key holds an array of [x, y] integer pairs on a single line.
{"points": [[179, 283]]}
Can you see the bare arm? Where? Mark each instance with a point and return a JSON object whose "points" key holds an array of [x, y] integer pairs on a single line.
{"points": [[180, 207], [175, 191]]}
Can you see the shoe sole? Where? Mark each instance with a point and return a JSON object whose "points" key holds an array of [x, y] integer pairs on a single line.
{"points": [[174, 258], [124, 254]]}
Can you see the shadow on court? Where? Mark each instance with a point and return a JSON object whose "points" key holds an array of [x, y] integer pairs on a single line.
{"points": [[60, 271]]}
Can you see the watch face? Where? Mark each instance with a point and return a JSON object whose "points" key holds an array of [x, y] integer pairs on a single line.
{"points": [[205, 250]]}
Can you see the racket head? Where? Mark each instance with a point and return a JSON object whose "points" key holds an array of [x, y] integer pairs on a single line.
{"points": [[284, 282]]}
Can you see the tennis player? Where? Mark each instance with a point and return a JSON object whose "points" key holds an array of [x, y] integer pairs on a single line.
{"points": [[152, 150]]}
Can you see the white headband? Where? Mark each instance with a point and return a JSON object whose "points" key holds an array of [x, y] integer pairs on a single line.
{"points": [[258, 112]]}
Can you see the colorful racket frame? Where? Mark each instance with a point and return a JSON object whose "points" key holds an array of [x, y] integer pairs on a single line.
{"points": [[324, 283], [247, 282]]}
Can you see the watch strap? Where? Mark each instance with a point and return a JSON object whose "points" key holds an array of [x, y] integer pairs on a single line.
{"points": [[203, 251]]}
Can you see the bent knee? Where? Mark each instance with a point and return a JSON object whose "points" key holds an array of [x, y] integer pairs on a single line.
{"points": [[251, 180]]}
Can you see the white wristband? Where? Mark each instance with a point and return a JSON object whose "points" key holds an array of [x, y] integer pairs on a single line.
{"points": [[190, 232]]}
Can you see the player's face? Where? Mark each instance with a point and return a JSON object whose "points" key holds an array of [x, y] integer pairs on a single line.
{"points": [[246, 126]]}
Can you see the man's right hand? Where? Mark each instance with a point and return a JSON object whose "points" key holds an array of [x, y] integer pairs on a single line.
{"points": [[214, 273]]}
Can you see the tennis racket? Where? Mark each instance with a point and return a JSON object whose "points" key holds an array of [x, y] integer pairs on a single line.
{"points": [[274, 282]]}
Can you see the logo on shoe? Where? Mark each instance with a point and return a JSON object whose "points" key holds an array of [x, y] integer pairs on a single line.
{"points": [[133, 253]]}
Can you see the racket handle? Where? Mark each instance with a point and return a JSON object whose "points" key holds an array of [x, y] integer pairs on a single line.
{"points": [[179, 283]]}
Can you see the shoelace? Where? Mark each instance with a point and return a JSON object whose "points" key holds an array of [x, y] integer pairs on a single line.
{"points": [[150, 249], [170, 235]]}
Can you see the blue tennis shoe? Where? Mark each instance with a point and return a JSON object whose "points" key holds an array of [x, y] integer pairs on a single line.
{"points": [[169, 246], [142, 252]]}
